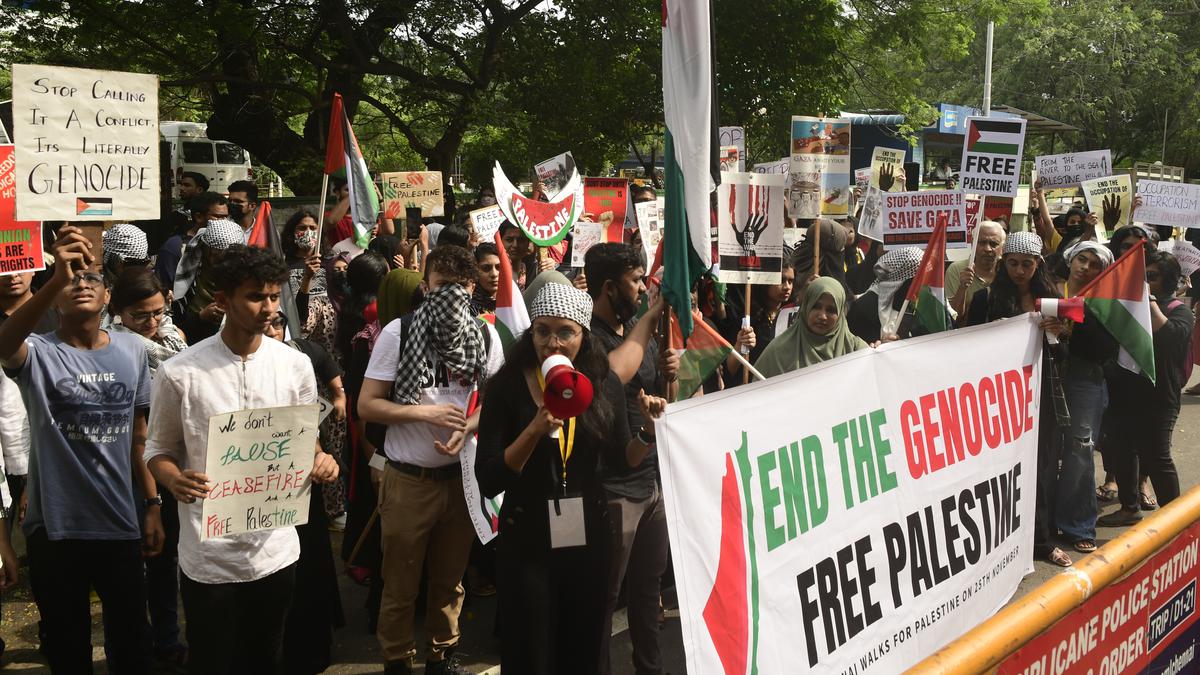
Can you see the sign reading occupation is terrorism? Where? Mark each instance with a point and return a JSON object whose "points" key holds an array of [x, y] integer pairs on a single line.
{"points": [[1144, 623], [991, 159], [412, 189], [868, 531], [1167, 203], [87, 144], [909, 218], [258, 465], [20, 241]]}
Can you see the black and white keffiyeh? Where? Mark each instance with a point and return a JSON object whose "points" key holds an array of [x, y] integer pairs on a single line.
{"points": [[443, 326], [562, 302], [1026, 243], [124, 241], [891, 271]]}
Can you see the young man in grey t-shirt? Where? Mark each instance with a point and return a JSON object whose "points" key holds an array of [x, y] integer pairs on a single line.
{"points": [[87, 392]]}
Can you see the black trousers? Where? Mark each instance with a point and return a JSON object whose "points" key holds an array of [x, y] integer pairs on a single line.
{"points": [[162, 578], [61, 574], [1141, 447], [1047, 478], [237, 627]]}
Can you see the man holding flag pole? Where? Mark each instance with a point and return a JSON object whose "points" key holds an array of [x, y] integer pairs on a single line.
{"points": [[343, 156]]}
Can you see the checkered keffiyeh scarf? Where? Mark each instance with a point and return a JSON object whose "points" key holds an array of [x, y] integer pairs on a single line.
{"points": [[891, 271], [125, 242], [443, 326]]}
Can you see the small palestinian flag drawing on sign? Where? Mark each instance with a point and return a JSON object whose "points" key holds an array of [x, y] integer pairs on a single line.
{"points": [[93, 206], [997, 137]]}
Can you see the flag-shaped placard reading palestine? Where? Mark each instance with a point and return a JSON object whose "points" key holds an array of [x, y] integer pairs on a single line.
{"points": [[991, 160], [1120, 299], [545, 223], [928, 287], [512, 318]]}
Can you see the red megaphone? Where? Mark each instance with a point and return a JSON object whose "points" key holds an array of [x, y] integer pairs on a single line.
{"points": [[568, 392]]}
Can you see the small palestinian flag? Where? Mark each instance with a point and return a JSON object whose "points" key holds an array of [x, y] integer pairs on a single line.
{"points": [[705, 350], [1120, 299], [512, 318], [996, 137], [93, 206], [928, 287]]}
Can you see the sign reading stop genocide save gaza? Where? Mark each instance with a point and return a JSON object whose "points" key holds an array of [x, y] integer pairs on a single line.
{"points": [[991, 159], [86, 144]]}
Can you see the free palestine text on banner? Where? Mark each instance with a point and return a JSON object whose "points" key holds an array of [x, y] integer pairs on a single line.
{"points": [[867, 526], [991, 159]]}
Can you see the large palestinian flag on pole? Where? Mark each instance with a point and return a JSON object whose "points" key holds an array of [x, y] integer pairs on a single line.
{"points": [[512, 318], [928, 287], [1120, 299], [264, 235], [343, 155], [691, 162]]}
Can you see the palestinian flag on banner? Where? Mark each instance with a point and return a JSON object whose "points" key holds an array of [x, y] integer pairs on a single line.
{"points": [[264, 235], [927, 292], [1120, 299], [342, 155], [512, 318], [691, 158], [702, 354], [995, 136]]}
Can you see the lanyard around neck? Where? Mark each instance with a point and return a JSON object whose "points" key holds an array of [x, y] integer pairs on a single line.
{"points": [[566, 441]]}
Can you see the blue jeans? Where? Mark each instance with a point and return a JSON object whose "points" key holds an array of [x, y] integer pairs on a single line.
{"points": [[1075, 506]]}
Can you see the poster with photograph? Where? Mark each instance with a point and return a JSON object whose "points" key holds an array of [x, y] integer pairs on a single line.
{"points": [[555, 172], [819, 183], [729, 158], [750, 228], [735, 136]]}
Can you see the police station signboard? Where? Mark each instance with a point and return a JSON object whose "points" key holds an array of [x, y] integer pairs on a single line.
{"points": [[991, 159]]}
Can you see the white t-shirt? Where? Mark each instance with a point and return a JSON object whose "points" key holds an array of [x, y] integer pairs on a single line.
{"points": [[413, 443], [208, 379]]}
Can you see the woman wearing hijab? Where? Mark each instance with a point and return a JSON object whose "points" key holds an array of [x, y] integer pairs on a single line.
{"points": [[1089, 347], [552, 591], [872, 312], [1020, 281], [819, 334]]}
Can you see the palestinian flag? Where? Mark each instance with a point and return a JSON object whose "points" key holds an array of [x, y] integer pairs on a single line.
{"points": [[1120, 299], [512, 318], [704, 352], [995, 136], [691, 159], [928, 287], [343, 155], [264, 235]]}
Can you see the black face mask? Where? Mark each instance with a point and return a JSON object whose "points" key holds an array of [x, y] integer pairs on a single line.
{"points": [[235, 212]]}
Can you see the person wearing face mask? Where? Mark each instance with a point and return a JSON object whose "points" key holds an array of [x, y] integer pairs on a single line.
{"points": [[200, 315], [963, 280], [243, 205], [1140, 421], [205, 207], [1020, 281], [820, 334]]}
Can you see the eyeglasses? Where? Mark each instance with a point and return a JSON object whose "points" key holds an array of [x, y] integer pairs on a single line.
{"points": [[143, 317], [88, 279], [563, 335]]}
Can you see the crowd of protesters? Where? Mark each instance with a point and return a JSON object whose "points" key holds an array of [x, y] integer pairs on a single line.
{"points": [[118, 360]]}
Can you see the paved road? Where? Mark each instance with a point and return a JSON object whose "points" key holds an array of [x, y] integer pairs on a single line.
{"points": [[357, 651]]}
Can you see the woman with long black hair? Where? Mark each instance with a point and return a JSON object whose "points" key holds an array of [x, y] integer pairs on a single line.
{"points": [[552, 566], [1021, 279]]}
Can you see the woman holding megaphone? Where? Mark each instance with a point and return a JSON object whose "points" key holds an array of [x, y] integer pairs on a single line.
{"points": [[540, 443]]}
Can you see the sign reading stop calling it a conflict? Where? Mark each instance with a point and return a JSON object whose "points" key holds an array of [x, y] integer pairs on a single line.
{"points": [[258, 469]]}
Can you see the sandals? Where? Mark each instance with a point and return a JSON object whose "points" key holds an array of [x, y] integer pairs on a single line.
{"points": [[1193, 390], [1085, 545], [1059, 557], [1147, 502], [1105, 494]]}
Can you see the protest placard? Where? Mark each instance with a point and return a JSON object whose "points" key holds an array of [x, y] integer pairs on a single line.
{"points": [[486, 221], [787, 317], [20, 240], [649, 217], [887, 169], [819, 168], [608, 202], [1166, 203], [729, 158], [991, 159], [780, 167], [862, 179], [1111, 198], [544, 223], [410, 189], [910, 217], [1072, 169], [870, 219], [484, 511], [86, 144], [555, 172], [750, 228], [258, 468], [1145, 622], [735, 136], [1187, 255], [584, 237], [910, 500]]}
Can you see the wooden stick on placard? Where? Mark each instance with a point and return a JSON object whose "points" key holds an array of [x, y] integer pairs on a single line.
{"points": [[975, 235], [816, 270], [745, 325], [324, 193]]}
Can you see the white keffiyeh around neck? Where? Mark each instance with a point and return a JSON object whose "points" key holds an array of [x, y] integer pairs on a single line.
{"points": [[891, 271]]}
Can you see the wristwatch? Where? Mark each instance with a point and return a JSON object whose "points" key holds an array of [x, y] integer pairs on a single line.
{"points": [[156, 500], [642, 437]]}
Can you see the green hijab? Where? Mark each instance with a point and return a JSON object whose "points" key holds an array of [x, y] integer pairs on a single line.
{"points": [[396, 294], [798, 346]]}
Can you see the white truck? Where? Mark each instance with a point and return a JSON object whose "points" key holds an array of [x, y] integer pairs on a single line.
{"points": [[192, 150]]}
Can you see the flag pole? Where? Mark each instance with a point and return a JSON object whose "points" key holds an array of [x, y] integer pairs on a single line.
{"points": [[975, 236], [746, 324], [895, 322], [746, 364], [817, 248], [324, 193]]}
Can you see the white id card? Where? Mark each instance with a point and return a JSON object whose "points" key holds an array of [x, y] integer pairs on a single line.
{"points": [[566, 522]]}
